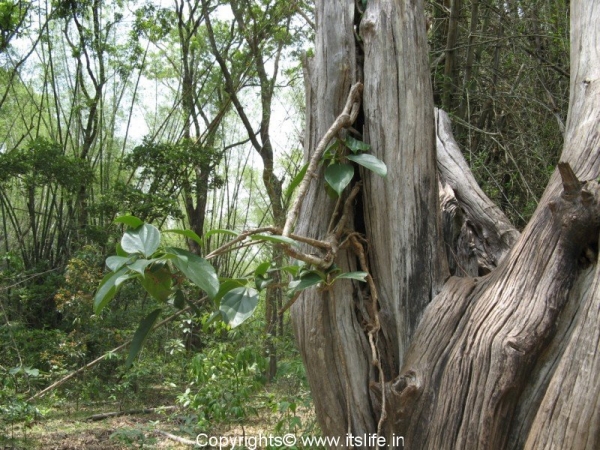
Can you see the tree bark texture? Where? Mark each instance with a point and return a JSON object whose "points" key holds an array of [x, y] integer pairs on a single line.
{"points": [[503, 353], [333, 346]]}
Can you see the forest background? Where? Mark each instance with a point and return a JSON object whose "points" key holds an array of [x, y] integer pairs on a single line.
{"points": [[189, 115]]}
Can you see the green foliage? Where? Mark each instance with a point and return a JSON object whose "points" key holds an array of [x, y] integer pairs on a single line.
{"points": [[224, 380], [339, 173], [13, 409], [338, 176], [43, 162], [238, 305], [155, 270], [370, 162], [12, 17]]}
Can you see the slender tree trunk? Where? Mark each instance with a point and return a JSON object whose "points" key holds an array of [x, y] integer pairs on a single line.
{"points": [[505, 360]]}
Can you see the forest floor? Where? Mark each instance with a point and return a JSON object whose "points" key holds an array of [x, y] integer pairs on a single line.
{"points": [[73, 427]]}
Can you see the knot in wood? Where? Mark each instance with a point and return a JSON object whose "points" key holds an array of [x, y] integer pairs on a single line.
{"points": [[577, 210]]}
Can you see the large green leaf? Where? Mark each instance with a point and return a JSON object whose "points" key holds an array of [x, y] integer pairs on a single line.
{"points": [[360, 276], [144, 240], [109, 287], [114, 263], [141, 334], [197, 269], [308, 280], [157, 281], [238, 305], [130, 221], [338, 176], [370, 162], [355, 145], [188, 234], [226, 286]]}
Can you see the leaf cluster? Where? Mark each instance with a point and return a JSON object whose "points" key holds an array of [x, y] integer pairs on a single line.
{"points": [[339, 171]]}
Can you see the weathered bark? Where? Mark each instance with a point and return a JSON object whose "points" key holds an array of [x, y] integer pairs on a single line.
{"points": [[502, 361], [334, 348], [476, 232], [471, 359]]}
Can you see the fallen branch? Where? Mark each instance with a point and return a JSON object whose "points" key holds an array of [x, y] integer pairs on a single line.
{"points": [[102, 416], [114, 350], [176, 438]]}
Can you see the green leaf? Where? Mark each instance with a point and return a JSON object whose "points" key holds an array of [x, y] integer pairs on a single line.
{"points": [[114, 263], [273, 238], [140, 265], [109, 287], [130, 221], [261, 282], [360, 276], [308, 280], [144, 240], [295, 182], [197, 269], [370, 162], [188, 234], [157, 281], [238, 305], [226, 286], [338, 176], [32, 372], [262, 268], [141, 334], [356, 146]]}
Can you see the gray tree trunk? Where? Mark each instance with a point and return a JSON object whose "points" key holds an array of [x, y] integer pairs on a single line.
{"points": [[472, 336]]}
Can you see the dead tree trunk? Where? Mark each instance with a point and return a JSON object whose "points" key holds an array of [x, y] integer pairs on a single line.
{"points": [[472, 336]]}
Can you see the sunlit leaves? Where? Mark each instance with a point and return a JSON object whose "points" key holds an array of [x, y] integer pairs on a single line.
{"points": [[238, 305], [130, 221], [188, 234], [338, 171], [197, 269], [144, 239]]}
